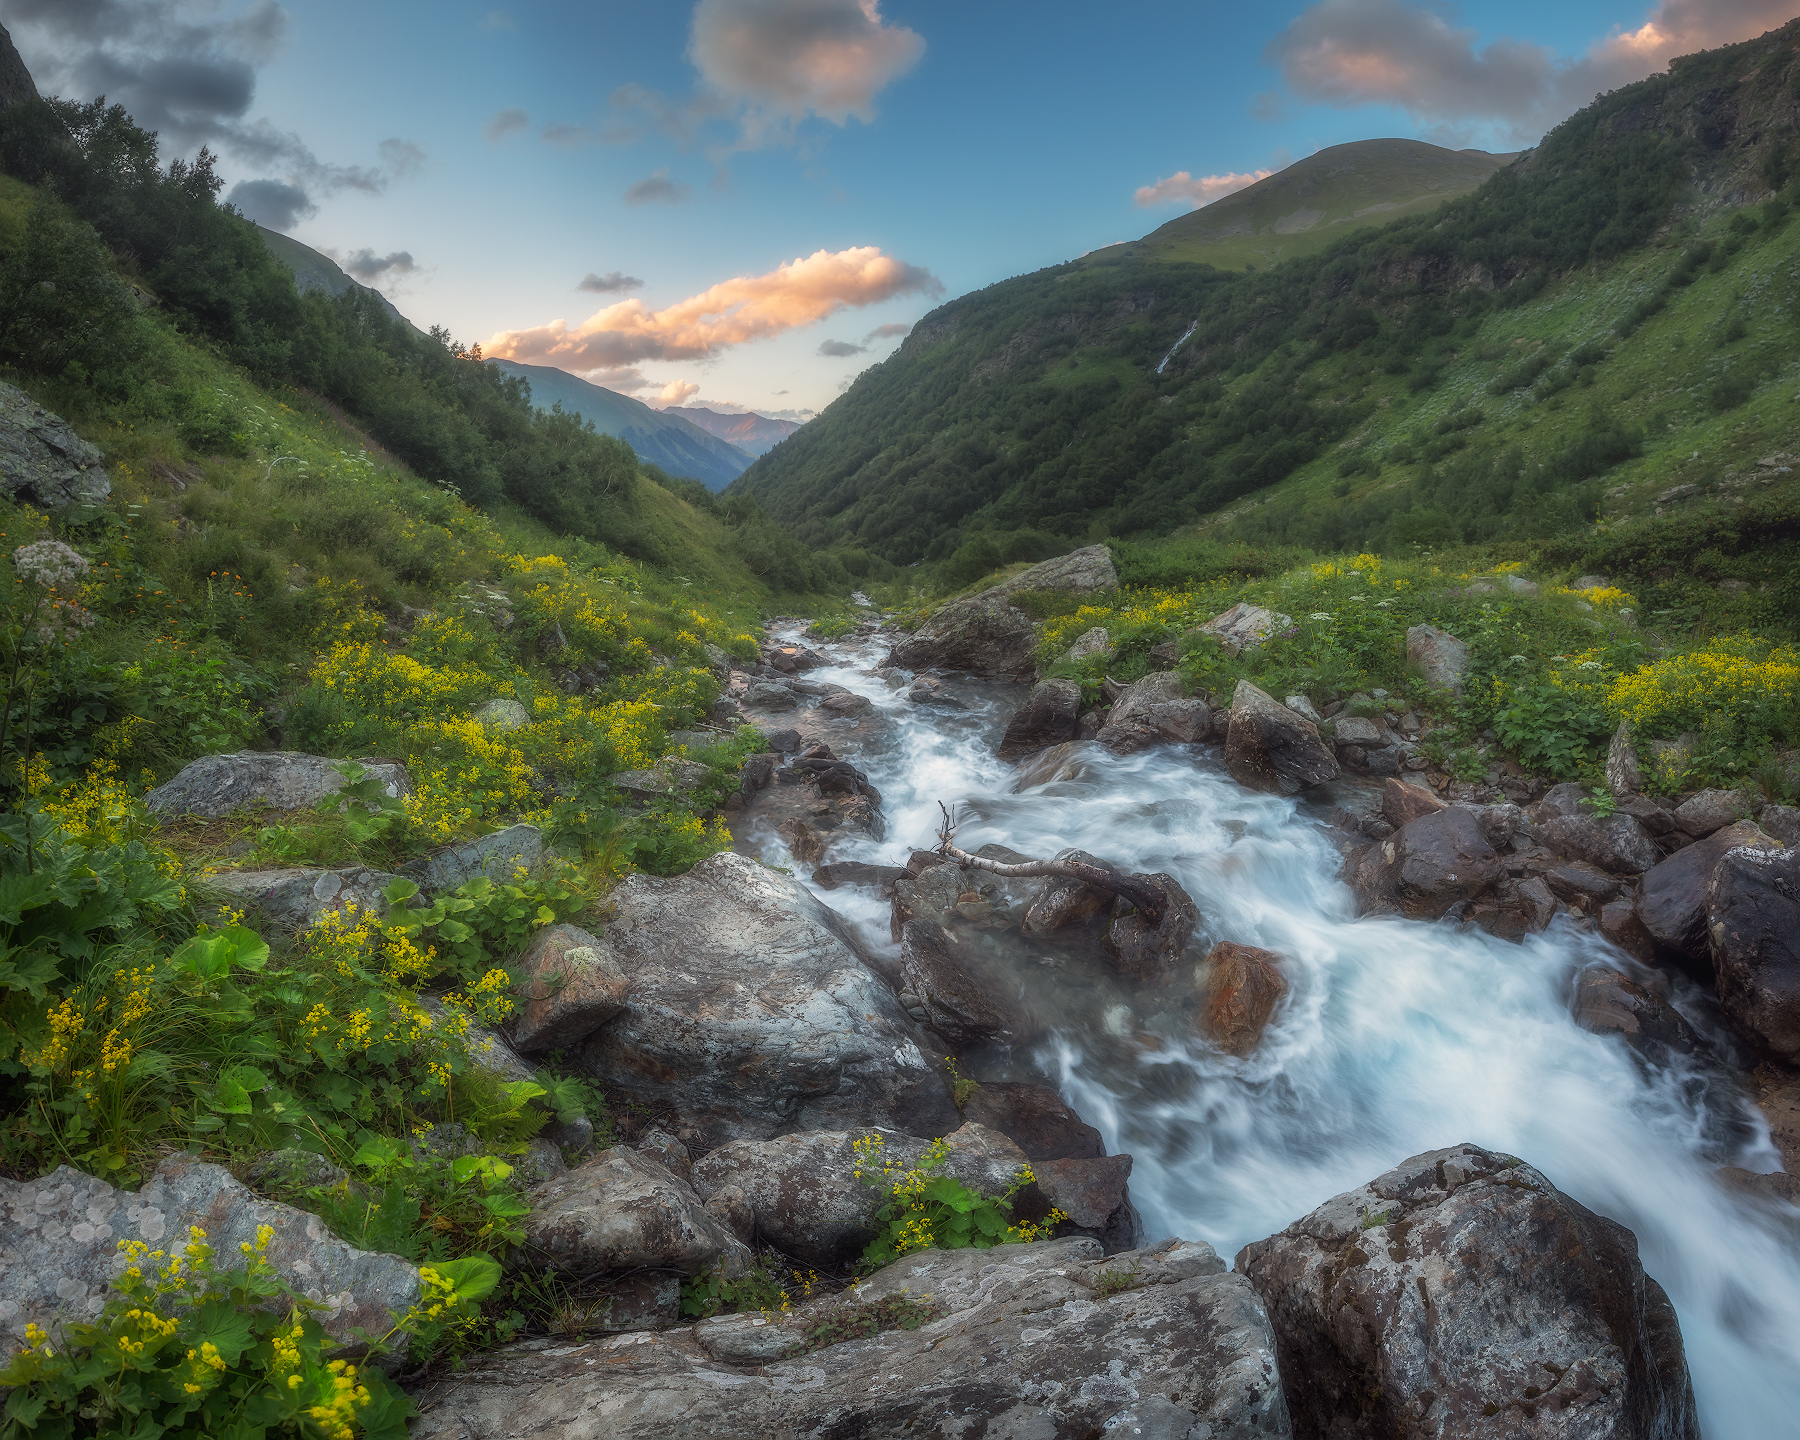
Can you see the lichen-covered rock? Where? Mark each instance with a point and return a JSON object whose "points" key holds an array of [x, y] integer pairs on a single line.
{"points": [[1025, 1349], [1439, 656], [294, 898], [59, 1247], [1080, 572], [1753, 924], [1701, 814], [501, 715], [1048, 717], [1152, 711], [1462, 1295], [752, 1013], [623, 1210], [43, 461], [1238, 995], [216, 785], [571, 985], [1088, 644], [983, 636], [1624, 776], [1244, 627], [665, 780], [498, 857], [1270, 748]]}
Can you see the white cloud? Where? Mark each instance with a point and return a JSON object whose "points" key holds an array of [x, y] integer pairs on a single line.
{"points": [[1193, 192], [677, 392]]}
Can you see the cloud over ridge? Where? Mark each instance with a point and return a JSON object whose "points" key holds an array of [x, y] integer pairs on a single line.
{"points": [[1193, 191], [797, 293]]}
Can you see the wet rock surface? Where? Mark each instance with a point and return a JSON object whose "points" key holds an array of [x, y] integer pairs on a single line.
{"points": [[1238, 995], [1145, 946], [1048, 717], [983, 636], [1671, 900], [967, 999], [1035, 1119], [1026, 1348], [1461, 1294], [1425, 867], [1610, 1003], [1753, 925], [1270, 748]]}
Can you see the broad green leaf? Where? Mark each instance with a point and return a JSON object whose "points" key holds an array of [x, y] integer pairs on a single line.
{"points": [[226, 1327], [230, 1098], [472, 1278]]}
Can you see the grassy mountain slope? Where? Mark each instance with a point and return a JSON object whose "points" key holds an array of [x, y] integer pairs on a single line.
{"points": [[313, 271], [659, 438], [1031, 413], [753, 434], [1314, 201]]}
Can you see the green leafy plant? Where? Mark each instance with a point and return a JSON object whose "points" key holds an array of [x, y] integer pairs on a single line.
{"points": [[1117, 1282], [926, 1210], [359, 814], [1601, 802], [711, 1293], [481, 920], [961, 1086]]}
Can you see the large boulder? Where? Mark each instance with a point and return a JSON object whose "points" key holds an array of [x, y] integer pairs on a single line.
{"points": [[1618, 843], [1610, 1003], [1088, 644], [1437, 655], [968, 999], [1709, 810], [752, 1014], [1244, 627], [983, 636], [216, 785], [1080, 572], [1671, 901], [1048, 717], [1462, 1295], [295, 898], [1753, 923], [1425, 866], [801, 1194], [1144, 947], [1024, 1345], [1268, 747], [571, 984], [1403, 802], [624, 1210], [1238, 995], [1035, 1119], [1092, 1195], [60, 1236], [42, 461], [1152, 711], [498, 857]]}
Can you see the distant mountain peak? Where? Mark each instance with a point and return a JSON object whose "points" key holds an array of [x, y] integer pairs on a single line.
{"points": [[754, 434]]}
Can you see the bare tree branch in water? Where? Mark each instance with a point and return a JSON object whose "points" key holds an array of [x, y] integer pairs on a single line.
{"points": [[1145, 896]]}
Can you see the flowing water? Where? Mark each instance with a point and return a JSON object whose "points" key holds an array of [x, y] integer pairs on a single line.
{"points": [[1396, 1037]]}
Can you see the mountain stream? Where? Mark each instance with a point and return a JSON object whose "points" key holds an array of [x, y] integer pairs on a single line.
{"points": [[1396, 1037]]}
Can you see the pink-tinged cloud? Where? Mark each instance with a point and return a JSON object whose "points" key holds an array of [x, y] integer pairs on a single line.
{"points": [[751, 307], [1410, 55], [1195, 192], [797, 57], [677, 392]]}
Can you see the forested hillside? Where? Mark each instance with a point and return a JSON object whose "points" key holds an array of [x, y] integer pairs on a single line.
{"points": [[1625, 290]]}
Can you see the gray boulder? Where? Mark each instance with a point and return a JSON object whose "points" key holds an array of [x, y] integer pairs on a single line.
{"points": [[1461, 1294], [1617, 842], [216, 785], [59, 1247], [42, 461], [1701, 814], [1671, 900], [1152, 711], [1024, 1346], [1048, 717], [1244, 627], [665, 780], [752, 1014], [1753, 922], [800, 1193], [572, 984], [498, 857], [501, 715], [769, 695], [1624, 776], [1080, 572], [1270, 748], [1088, 644], [623, 1210], [983, 636], [1439, 656], [1782, 822], [294, 898]]}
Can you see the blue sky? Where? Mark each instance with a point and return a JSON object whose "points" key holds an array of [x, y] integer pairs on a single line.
{"points": [[916, 149]]}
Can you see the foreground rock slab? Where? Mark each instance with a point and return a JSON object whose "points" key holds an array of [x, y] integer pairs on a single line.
{"points": [[59, 1247], [752, 1015], [1461, 1294], [1027, 1349], [216, 785]]}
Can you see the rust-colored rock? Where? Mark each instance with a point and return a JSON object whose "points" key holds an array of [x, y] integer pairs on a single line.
{"points": [[1402, 801], [1243, 985]]}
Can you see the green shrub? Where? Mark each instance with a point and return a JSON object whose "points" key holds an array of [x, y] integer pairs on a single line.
{"points": [[926, 1210]]}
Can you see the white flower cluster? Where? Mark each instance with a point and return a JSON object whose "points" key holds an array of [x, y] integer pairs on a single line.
{"points": [[49, 562]]}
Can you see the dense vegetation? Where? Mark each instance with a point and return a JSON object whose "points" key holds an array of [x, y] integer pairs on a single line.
{"points": [[1068, 401]]}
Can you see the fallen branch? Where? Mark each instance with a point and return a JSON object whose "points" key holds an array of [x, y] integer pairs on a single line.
{"points": [[1149, 900]]}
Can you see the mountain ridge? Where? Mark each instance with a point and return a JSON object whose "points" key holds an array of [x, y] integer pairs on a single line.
{"points": [[754, 434]]}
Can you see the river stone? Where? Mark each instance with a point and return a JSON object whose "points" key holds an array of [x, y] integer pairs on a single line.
{"points": [[502, 715], [1244, 627], [1088, 644], [769, 695], [1782, 822], [1061, 902], [59, 1247], [966, 1001], [217, 785], [1048, 717], [983, 636], [1615, 842], [571, 985], [752, 1014], [1026, 1351], [1701, 814], [1144, 949], [1753, 923], [1356, 730], [1403, 802], [42, 461], [1671, 900], [1425, 866], [1438, 655], [498, 857], [1092, 1193], [800, 1192], [1035, 1119], [1059, 763], [1438, 1318], [1152, 711], [1270, 748], [1609, 1003], [295, 898], [931, 894], [1238, 996], [1619, 923], [858, 872], [623, 1210], [1080, 572]]}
